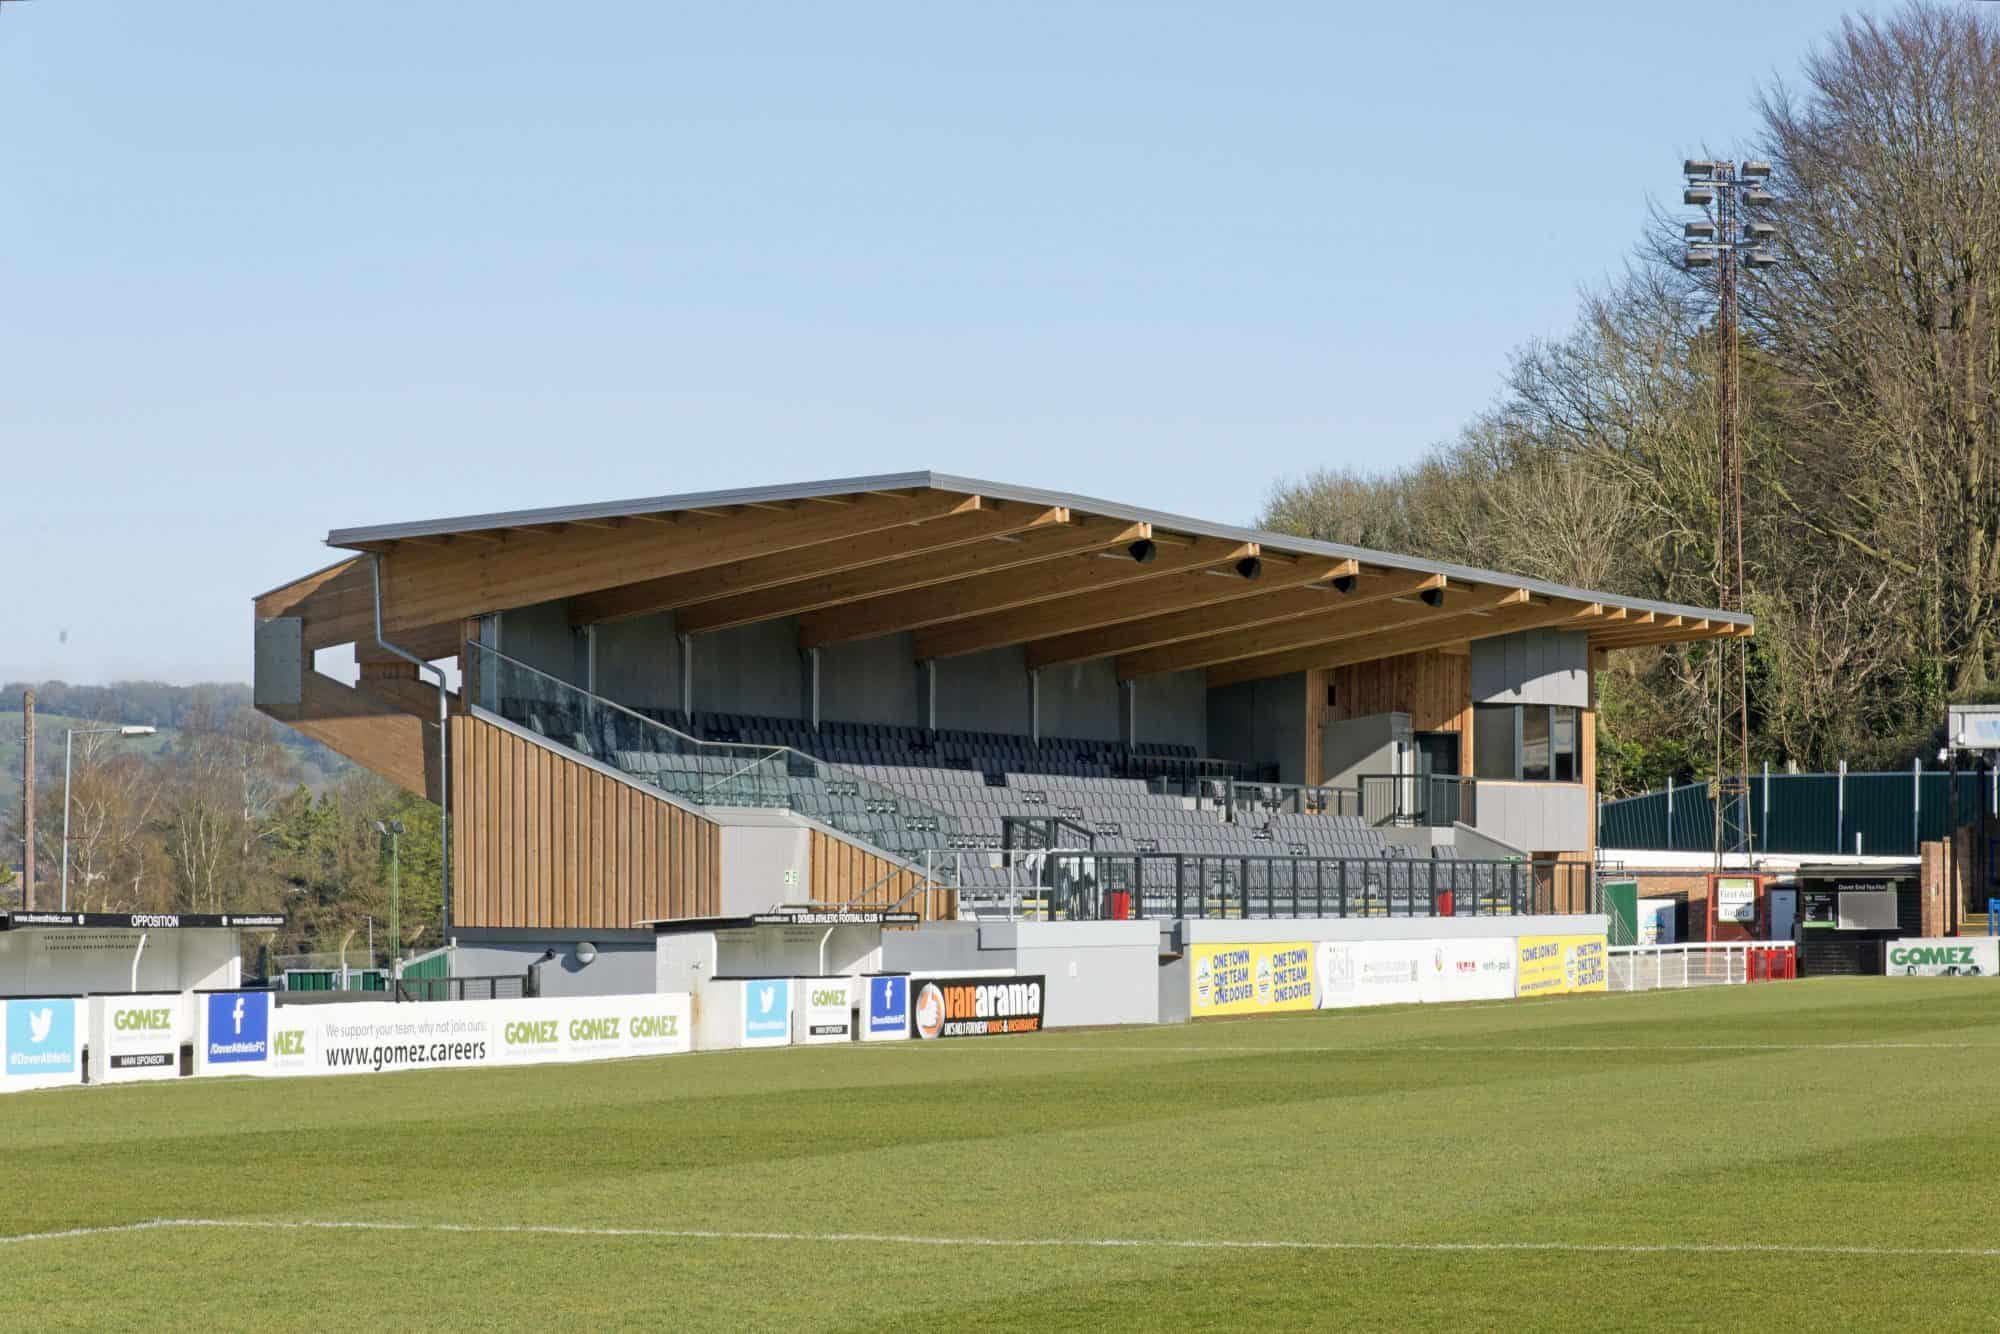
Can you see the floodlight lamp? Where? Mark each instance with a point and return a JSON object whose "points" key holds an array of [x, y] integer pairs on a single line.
{"points": [[1701, 229], [1758, 231], [1433, 597], [1755, 170], [1700, 256], [1759, 259], [1697, 169], [1345, 583], [1756, 198], [137, 731], [1143, 551], [1700, 195], [1250, 568]]}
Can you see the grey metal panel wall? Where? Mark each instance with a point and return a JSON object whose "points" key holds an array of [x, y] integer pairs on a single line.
{"points": [[639, 662], [1261, 722], [870, 681], [540, 636], [1173, 707], [620, 968], [1536, 817], [1097, 972], [984, 692], [750, 669], [1081, 699], [1532, 667]]}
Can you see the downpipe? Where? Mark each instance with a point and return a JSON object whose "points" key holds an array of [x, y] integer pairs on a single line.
{"points": [[444, 751]]}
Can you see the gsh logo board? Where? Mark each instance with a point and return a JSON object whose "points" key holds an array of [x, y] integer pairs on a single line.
{"points": [[41, 1043], [767, 1012], [238, 1027], [886, 1006]]}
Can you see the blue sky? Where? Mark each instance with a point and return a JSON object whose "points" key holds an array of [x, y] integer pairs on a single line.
{"points": [[272, 268]]}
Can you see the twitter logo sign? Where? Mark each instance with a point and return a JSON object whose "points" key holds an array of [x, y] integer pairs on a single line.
{"points": [[767, 1012], [41, 1038]]}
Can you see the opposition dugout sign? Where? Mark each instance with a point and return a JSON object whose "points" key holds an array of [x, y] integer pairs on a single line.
{"points": [[1257, 978], [976, 1007], [376, 1036], [1560, 965], [1957, 956]]}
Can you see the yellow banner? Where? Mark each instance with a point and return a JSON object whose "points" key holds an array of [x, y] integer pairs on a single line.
{"points": [[1558, 965], [1250, 979]]}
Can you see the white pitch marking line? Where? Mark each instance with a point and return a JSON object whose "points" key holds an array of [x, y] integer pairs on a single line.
{"points": [[1022, 1243]]}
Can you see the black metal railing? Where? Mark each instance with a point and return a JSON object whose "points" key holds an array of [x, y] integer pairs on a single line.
{"points": [[1100, 886], [1421, 800], [501, 986], [1255, 799]]}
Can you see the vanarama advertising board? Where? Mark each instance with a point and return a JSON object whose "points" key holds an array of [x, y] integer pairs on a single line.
{"points": [[1250, 979], [1559, 965], [1958, 956], [976, 1007]]}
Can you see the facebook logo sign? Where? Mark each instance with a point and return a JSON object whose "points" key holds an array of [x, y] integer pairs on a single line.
{"points": [[888, 1005], [767, 1011], [41, 1037], [239, 1026]]}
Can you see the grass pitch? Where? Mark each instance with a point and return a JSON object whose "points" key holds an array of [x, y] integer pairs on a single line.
{"points": [[1804, 1152]]}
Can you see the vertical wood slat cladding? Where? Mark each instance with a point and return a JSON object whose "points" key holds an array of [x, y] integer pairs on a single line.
{"points": [[843, 873], [541, 840], [1434, 688]]}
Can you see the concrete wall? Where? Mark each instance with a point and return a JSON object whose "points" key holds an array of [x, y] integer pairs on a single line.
{"points": [[1532, 667], [1539, 817], [1081, 699], [1098, 972], [756, 860], [1173, 707], [540, 635], [984, 692], [639, 662], [1351, 747], [871, 681], [624, 965], [752, 669], [1261, 722]]}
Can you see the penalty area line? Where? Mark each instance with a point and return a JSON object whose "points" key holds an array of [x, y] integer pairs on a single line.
{"points": [[1019, 1243]]}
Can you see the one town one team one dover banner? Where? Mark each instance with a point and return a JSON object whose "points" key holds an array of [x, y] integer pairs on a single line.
{"points": [[1250, 979], [1559, 965], [243, 1033]]}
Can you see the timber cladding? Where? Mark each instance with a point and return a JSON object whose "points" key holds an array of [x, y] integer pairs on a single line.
{"points": [[1434, 688], [541, 840], [844, 873]]}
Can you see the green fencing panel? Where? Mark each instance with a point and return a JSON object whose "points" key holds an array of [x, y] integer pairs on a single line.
{"points": [[1804, 814], [1621, 905]]}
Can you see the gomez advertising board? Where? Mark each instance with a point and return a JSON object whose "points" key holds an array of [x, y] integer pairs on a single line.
{"points": [[976, 1007], [825, 1009], [1250, 979], [136, 1037], [1960, 956], [43, 1044], [373, 1036], [1559, 965]]}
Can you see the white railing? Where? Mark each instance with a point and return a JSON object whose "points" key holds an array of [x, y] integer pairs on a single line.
{"points": [[1710, 963]]}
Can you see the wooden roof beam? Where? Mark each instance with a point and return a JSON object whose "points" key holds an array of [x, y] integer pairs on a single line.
{"points": [[1093, 612], [728, 587], [1042, 544], [1332, 624], [424, 586], [1263, 604], [988, 594], [1395, 643]]}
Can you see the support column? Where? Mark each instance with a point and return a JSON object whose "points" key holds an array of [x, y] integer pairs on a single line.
{"points": [[1035, 704], [687, 677], [1128, 712], [28, 801], [812, 687]]}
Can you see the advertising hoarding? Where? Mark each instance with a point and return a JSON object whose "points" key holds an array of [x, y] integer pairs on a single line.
{"points": [[235, 1032], [1354, 973], [43, 1045], [1954, 956], [136, 1037], [767, 1012], [1560, 965], [885, 1009], [976, 1007], [825, 1010], [370, 1037], [1262, 978]]}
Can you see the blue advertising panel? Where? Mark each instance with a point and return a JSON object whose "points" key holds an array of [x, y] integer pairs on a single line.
{"points": [[888, 1007], [41, 1040], [237, 1027], [767, 1012]]}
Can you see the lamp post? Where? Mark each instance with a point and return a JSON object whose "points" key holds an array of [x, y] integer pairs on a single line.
{"points": [[1727, 236], [69, 740], [393, 831]]}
